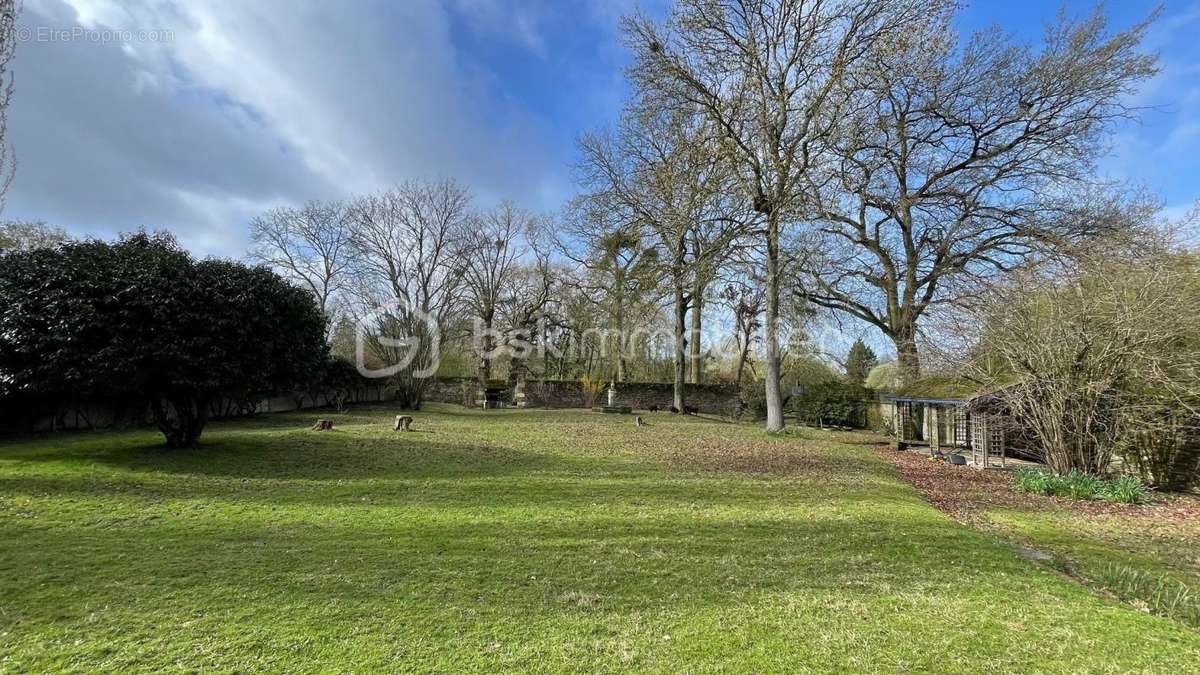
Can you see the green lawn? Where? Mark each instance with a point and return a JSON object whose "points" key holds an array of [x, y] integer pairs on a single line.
{"points": [[1150, 561], [521, 540]]}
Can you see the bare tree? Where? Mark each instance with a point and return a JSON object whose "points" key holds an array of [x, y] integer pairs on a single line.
{"points": [[660, 169], [617, 268], [9, 10], [575, 332], [962, 161], [493, 251], [770, 76], [744, 298], [409, 266], [18, 235], [524, 313], [1088, 361], [710, 246], [310, 246]]}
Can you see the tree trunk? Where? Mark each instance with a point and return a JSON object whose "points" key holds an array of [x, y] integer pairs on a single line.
{"points": [[907, 360], [697, 319], [743, 357], [680, 344], [619, 319], [771, 332], [485, 352], [544, 339], [561, 371], [620, 342], [183, 429]]}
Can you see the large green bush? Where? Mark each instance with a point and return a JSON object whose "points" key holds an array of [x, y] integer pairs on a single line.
{"points": [[141, 319], [833, 403]]}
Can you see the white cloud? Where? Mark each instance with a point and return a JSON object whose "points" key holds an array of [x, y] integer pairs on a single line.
{"points": [[255, 103], [1161, 150], [1171, 26]]}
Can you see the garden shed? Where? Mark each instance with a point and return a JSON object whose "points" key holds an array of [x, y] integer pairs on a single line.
{"points": [[953, 417]]}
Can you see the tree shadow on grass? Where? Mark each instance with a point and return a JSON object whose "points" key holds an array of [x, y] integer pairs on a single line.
{"points": [[356, 465], [312, 456]]}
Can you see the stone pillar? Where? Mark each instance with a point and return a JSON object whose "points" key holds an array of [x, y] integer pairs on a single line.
{"points": [[519, 391]]}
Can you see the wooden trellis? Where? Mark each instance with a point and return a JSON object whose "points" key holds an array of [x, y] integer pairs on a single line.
{"points": [[952, 427], [987, 436], [962, 427]]}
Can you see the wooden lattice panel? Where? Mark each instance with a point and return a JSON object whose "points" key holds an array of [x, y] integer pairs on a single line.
{"points": [[995, 442], [987, 439], [962, 433]]}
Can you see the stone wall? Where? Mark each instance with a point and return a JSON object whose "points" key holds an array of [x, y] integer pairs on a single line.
{"points": [[459, 390], [715, 399]]}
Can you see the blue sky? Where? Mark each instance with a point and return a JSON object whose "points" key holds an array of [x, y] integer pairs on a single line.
{"points": [[1162, 149], [249, 104]]}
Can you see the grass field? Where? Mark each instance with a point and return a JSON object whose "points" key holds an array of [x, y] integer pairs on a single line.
{"points": [[1149, 561], [521, 540], [1148, 554]]}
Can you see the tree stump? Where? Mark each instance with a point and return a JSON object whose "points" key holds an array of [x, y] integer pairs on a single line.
{"points": [[323, 425]]}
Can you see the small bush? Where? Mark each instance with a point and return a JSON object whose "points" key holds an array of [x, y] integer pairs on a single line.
{"points": [[1162, 595], [832, 403], [1078, 485], [754, 398], [878, 422], [1126, 489], [1037, 481], [591, 388]]}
